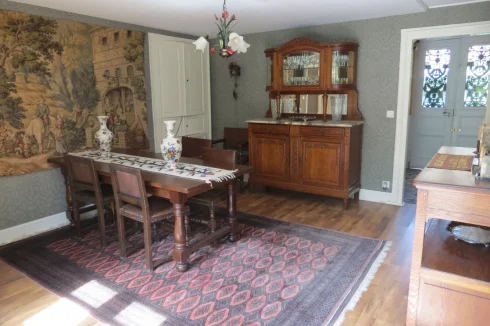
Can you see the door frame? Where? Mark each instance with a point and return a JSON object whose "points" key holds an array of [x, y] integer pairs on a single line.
{"points": [[408, 37]]}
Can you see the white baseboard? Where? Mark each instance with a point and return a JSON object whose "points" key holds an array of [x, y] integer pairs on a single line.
{"points": [[379, 197], [33, 228]]}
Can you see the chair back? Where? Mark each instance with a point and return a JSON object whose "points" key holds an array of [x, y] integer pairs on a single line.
{"points": [[193, 147], [220, 158], [82, 174], [235, 137], [128, 185]]}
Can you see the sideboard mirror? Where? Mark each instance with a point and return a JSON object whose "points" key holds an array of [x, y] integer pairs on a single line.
{"points": [[308, 104]]}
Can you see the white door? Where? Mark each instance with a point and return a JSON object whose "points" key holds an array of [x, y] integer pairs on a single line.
{"points": [[472, 95], [195, 80], [167, 72], [446, 109]]}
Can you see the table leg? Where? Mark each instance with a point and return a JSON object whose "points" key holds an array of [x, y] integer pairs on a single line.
{"points": [[69, 201], [232, 211], [180, 254]]}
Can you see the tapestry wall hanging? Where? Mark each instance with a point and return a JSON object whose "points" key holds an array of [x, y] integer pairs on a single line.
{"points": [[56, 77]]}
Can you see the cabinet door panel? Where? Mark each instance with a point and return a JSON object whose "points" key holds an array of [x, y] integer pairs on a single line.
{"points": [[195, 124], [271, 155], [167, 86], [320, 163], [196, 101]]}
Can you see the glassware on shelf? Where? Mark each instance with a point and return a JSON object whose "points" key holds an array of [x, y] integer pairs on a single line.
{"points": [[341, 68], [301, 68], [337, 106]]}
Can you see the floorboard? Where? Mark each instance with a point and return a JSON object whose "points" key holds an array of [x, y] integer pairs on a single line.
{"points": [[384, 302]]}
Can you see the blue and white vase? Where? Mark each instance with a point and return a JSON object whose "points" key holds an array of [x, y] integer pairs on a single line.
{"points": [[170, 146], [104, 136]]}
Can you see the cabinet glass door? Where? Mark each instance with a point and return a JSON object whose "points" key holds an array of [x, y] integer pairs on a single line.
{"points": [[270, 77], [301, 69], [343, 67]]}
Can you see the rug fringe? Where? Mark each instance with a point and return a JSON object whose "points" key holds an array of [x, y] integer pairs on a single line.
{"points": [[365, 283]]}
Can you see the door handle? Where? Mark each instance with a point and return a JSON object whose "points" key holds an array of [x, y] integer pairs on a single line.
{"points": [[456, 129], [448, 113]]}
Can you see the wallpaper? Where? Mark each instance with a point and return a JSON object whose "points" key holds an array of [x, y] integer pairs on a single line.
{"points": [[379, 54], [24, 198], [56, 77]]}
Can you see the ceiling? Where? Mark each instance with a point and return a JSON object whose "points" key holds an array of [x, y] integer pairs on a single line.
{"points": [[195, 17]]}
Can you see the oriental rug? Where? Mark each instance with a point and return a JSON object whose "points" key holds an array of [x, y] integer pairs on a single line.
{"points": [[278, 274]]}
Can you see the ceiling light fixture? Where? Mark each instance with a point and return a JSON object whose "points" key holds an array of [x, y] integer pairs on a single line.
{"points": [[228, 42]]}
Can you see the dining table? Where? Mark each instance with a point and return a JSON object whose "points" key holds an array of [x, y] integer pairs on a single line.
{"points": [[177, 190]]}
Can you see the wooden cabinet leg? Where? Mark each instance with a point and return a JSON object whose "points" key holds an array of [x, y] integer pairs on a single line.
{"points": [[346, 203], [180, 254], [418, 245], [232, 211]]}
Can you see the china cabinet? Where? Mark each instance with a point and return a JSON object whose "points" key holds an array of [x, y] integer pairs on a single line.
{"points": [[302, 74], [298, 146]]}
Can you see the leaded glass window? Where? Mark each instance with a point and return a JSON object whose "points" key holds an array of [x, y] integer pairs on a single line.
{"points": [[477, 76], [435, 78]]}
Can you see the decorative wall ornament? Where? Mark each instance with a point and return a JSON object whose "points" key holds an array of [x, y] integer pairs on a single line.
{"points": [[56, 77], [235, 72], [229, 42]]}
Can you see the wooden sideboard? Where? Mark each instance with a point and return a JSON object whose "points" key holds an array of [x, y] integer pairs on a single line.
{"points": [[449, 279], [321, 158]]}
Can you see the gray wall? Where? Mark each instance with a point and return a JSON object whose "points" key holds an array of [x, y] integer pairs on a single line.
{"points": [[379, 56], [29, 197]]}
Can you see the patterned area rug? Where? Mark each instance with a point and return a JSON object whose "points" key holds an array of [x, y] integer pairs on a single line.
{"points": [[277, 274]]}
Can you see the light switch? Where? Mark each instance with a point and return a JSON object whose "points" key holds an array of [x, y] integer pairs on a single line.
{"points": [[390, 114]]}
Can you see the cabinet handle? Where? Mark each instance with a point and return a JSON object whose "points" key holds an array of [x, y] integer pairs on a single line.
{"points": [[320, 133], [268, 130]]}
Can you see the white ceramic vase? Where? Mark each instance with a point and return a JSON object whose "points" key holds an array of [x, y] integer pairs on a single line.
{"points": [[104, 136], [170, 146]]}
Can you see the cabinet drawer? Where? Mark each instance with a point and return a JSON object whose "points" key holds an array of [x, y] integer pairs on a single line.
{"points": [[322, 131], [269, 129]]}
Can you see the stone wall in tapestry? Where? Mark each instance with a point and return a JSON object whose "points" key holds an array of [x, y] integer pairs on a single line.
{"points": [[56, 76]]}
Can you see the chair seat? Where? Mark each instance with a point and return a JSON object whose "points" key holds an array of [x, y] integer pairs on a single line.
{"points": [[160, 209], [88, 196], [209, 198]]}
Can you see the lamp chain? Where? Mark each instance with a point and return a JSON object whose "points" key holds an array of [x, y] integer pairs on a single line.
{"points": [[224, 5]]}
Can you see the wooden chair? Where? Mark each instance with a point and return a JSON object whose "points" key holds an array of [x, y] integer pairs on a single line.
{"points": [[133, 202], [220, 158], [236, 139], [86, 189], [192, 147]]}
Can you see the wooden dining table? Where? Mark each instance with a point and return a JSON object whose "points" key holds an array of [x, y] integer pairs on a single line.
{"points": [[177, 190]]}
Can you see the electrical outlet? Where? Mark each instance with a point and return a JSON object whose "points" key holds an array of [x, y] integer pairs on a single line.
{"points": [[385, 185]]}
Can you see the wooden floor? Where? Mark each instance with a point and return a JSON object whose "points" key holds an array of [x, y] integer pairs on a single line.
{"points": [[384, 303]]}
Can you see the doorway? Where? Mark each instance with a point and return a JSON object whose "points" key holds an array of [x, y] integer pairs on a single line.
{"points": [[449, 99], [449, 95]]}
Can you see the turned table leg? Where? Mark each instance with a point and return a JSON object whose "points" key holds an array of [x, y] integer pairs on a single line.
{"points": [[232, 211], [180, 254]]}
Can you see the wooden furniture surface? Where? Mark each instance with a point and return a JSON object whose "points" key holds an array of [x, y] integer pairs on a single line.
{"points": [[193, 147], [326, 68], [86, 189], [316, 159], [449, 279], [177, 190]]}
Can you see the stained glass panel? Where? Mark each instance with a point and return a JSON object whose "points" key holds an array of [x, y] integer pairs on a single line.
{"points": [[435, 78], [477, 76]]}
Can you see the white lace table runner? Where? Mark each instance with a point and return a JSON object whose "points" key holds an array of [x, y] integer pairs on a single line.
{"points": [[179, 169]]}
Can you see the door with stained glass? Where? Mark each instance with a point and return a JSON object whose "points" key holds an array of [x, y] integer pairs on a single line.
{"points": [[472, 95], [433, 93], [449, 95]]}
